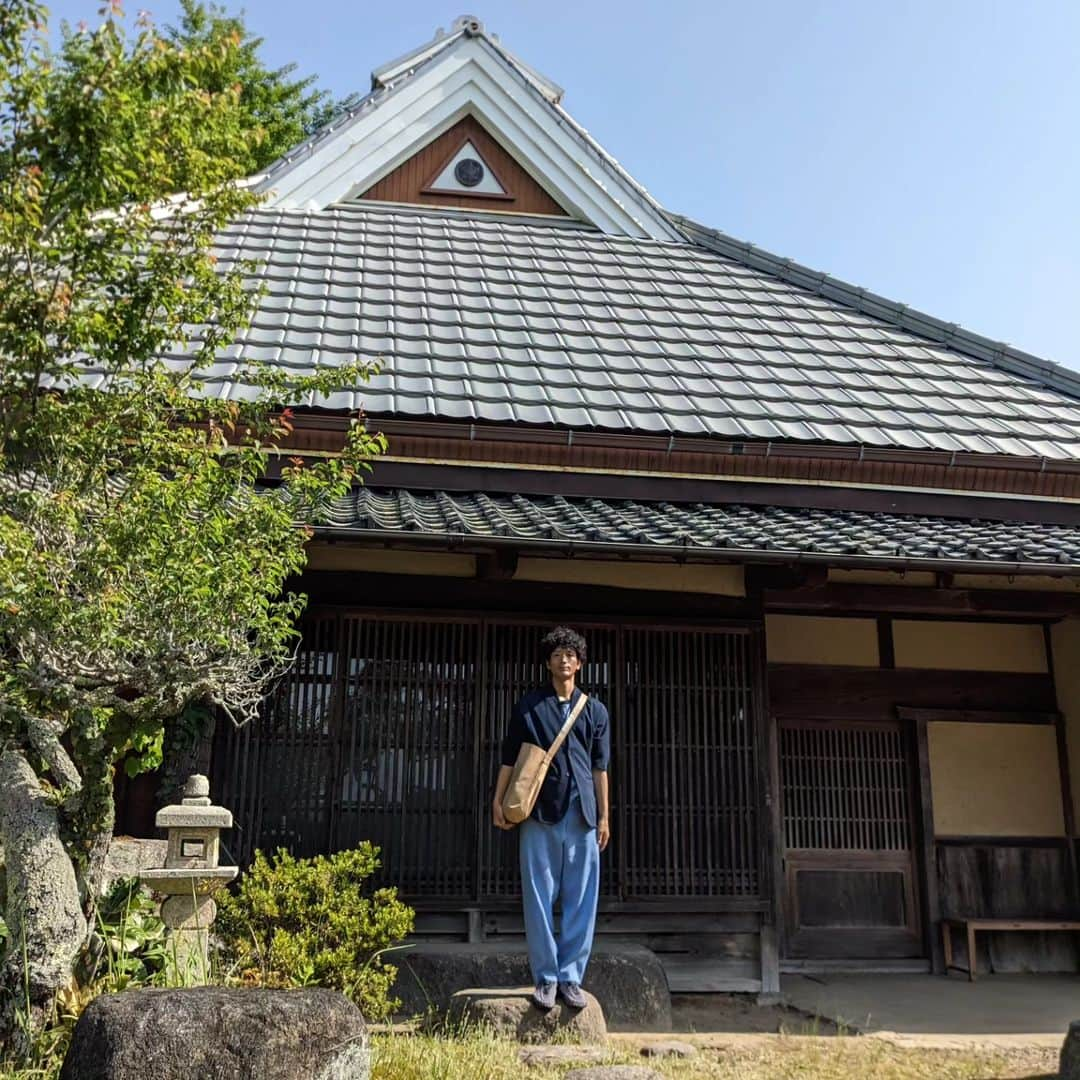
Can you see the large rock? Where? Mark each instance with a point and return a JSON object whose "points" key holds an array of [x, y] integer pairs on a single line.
{"points": [[1070, 1054], [510, 1012], [219, 1033], [627, 980]]}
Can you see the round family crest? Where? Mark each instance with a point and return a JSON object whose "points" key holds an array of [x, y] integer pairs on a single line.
{"points": [[468, 172]]}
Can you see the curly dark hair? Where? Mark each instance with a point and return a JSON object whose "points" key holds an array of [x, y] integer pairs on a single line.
{"points": [[562, 637]]}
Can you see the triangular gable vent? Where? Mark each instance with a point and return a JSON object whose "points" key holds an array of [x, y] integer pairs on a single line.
{"points": [[467, 173]]}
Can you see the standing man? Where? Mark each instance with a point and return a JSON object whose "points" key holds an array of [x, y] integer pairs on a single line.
{"points": [[561, 840]]}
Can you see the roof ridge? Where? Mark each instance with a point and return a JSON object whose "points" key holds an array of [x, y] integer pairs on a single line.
{"points": [[999, 354]]}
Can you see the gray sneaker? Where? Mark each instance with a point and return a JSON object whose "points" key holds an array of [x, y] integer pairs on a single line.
{"points": [[572, 995], [544, 995]]}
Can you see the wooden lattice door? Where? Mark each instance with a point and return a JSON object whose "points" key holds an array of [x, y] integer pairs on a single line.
{"points": [[389, 728], [849, 866]]}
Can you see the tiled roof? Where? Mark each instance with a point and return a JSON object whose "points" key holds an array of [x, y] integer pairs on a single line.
{"points": [[522, 321], [702, 527]]}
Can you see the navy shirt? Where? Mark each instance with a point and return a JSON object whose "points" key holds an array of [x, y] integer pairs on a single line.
{"points": [[537, 718]]}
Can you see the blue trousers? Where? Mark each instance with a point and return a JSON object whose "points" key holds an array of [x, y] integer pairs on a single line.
{"points": [[559, 862]]}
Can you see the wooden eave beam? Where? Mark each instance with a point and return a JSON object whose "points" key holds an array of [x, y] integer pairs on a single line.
{"points": [[914, 600], [462, 441]]}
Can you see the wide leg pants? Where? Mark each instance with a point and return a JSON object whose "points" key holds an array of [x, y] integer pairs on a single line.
{"points": [[559, 861]]}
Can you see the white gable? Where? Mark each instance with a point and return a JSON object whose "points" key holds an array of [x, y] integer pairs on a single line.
{"points": [[419, 97]]}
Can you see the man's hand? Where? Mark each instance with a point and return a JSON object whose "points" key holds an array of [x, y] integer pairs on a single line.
{"points": [[603, 833], [498, 817]]}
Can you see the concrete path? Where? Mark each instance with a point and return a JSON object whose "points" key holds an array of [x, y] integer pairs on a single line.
{"points": [[933, 1009]]}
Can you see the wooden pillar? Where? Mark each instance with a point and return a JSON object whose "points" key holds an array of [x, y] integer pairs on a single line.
{"points": [[928, 845], [769, 831], [1068, 807], [770, 962], [476, 925]]}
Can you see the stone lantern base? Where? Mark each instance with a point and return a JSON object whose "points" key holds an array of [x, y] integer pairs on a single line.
{"points": [[189, 919]]}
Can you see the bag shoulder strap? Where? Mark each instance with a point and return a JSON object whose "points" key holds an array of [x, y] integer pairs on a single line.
{"points": [[575, 712]]}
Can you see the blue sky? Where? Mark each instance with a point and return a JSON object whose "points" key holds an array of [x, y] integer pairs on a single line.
{"points": [[929, 151]]}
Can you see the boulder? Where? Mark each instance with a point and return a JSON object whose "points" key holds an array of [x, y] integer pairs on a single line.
{"points": [[669, 1048], [219, 1033], [551, 1056], [510, 1012], [613, 1072], [1069, 1068], [627, 980]]}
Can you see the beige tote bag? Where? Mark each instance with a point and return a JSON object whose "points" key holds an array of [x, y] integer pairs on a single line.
{"points": [[530, 769]]}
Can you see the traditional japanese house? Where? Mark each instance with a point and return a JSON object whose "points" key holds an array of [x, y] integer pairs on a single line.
{"points": [[825, 548]]}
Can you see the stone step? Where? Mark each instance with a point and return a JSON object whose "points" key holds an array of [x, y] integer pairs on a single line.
{"points": [[627, 980], [511, 1012]]}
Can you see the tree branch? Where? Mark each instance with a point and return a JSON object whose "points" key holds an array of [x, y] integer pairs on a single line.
{"points": [[44, 735]]}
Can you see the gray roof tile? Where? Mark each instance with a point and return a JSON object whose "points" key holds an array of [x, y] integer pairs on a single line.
{"points": [[660, 337], [701, 527]]}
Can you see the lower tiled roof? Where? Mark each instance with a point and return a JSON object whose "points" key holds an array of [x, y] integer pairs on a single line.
{"points": [[701, 528]]}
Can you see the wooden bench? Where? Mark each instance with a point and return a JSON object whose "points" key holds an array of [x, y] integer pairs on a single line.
{"points": [[972, 926]]}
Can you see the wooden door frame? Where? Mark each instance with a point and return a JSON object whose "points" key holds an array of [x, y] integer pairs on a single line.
{"points": [[916, 892]]}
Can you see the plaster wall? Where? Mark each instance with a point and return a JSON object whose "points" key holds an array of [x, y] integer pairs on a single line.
{"points": [[969, 646], [995, 780], [323, 556], [1065, 638], [812, 639], [696, 578]]}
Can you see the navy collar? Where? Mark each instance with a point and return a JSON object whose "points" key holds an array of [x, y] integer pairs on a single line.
{"points": [[553, 693]]}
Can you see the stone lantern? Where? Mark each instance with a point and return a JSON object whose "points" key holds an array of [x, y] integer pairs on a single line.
{"points": [[191, 876]]}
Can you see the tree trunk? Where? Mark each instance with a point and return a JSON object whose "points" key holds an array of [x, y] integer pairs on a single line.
{"points": [[46, 924], [92, 827]]}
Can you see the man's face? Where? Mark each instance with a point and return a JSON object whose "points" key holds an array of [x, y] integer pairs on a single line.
{"points": [[564, 663]]}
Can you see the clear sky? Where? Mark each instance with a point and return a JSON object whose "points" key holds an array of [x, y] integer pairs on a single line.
{"points": [[928, 150]]}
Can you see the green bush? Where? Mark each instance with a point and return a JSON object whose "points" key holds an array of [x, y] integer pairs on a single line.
{"points": [[310, 922]]}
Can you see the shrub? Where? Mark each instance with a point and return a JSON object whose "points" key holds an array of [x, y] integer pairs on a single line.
{"points": [[310, 922]]}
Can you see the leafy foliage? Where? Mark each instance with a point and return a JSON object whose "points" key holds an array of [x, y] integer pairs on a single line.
{"points": [[302, 922], [142, 566], [281, 110]]}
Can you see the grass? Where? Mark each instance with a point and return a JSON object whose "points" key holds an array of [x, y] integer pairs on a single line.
{"points": [[476, 1054]]}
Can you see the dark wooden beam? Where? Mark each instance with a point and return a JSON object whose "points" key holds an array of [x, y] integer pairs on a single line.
{"points": [[1053, 842], [886, 649], [472, 596], [835, 693], [838, 599], [977, 716], [582, 451], [761, 579], [498, 565]]}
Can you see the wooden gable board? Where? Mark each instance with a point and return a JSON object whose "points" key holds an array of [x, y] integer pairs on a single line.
{"points": [[411, 182]]}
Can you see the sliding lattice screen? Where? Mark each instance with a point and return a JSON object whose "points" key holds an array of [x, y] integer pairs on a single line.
{"points": [[389, 728]]}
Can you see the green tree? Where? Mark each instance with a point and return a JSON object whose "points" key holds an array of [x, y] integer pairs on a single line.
{"points": [[280, 110], [141, 567]]}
